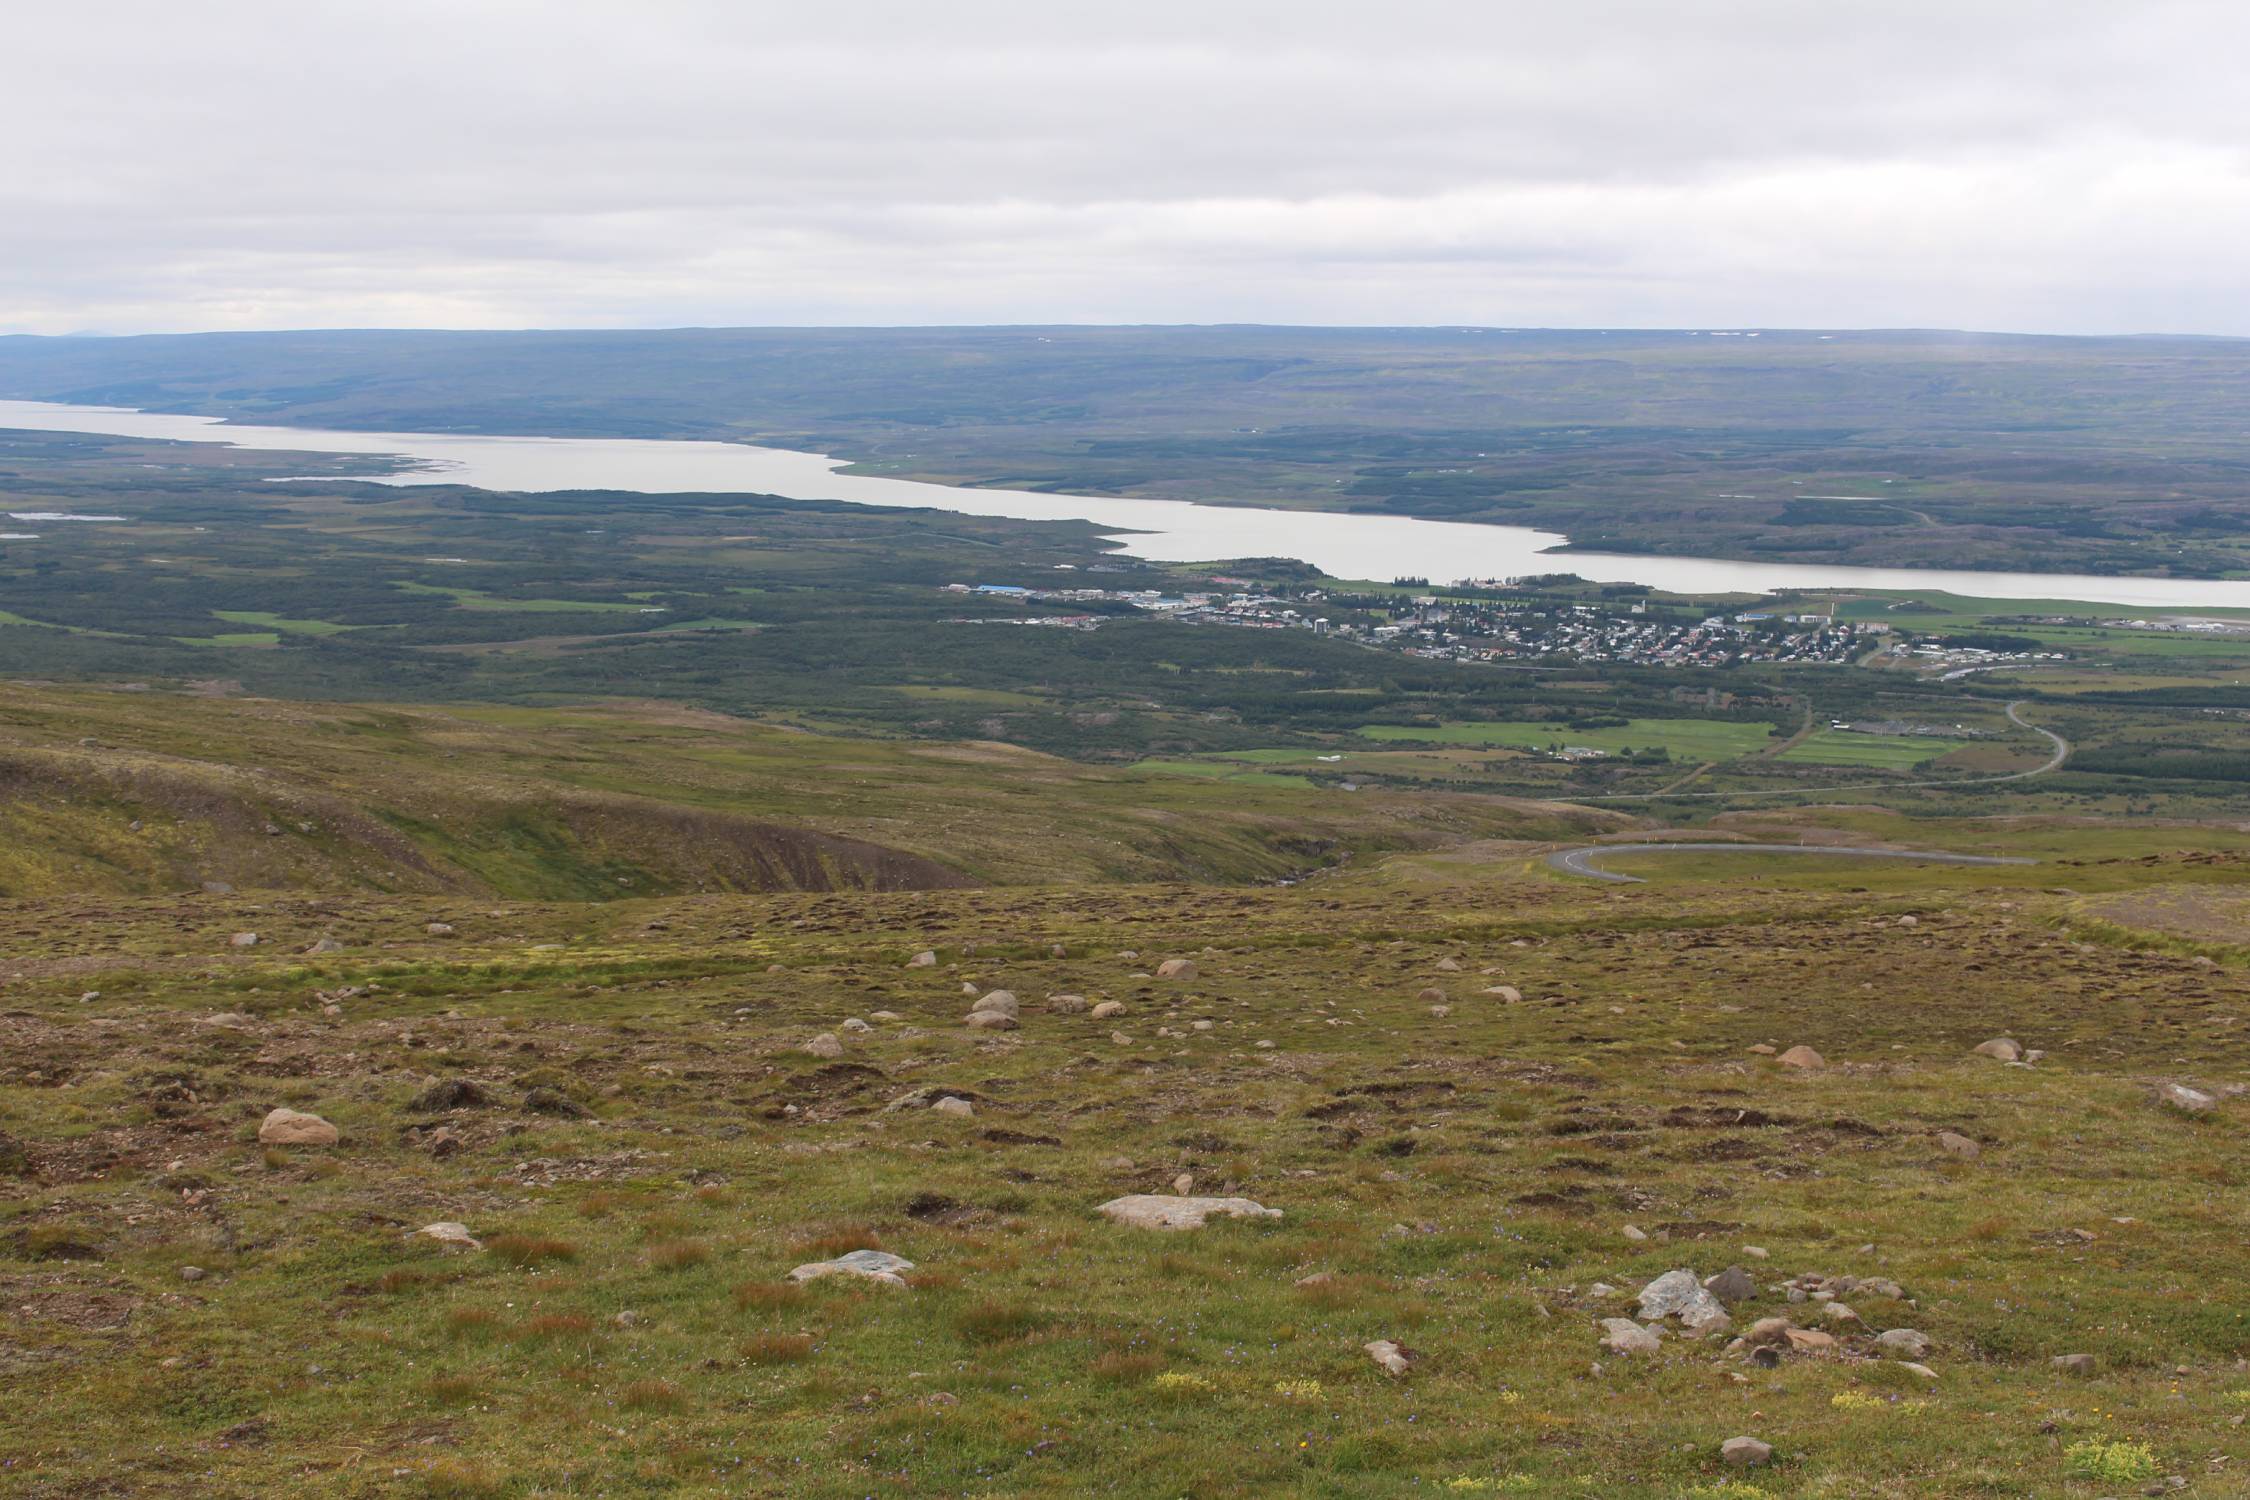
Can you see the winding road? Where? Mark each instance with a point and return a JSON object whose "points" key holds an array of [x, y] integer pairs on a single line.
{"points": [[1580, 861]]}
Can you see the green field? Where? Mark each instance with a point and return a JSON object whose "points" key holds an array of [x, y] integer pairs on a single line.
{"points": [[1836, 747], [1685, 739]]}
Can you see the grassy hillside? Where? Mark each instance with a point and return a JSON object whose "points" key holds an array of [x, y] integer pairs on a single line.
{"points": [[625, 1118], [137, 792]]}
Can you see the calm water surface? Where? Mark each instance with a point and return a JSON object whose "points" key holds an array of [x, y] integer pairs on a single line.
{"points": [[1346, 546]]}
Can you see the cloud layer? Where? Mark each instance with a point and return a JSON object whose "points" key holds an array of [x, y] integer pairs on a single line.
{"points": [[2053, 166]]}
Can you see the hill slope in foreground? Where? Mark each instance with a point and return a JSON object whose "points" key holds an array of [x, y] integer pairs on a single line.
{"points": [[1489, 1104]]}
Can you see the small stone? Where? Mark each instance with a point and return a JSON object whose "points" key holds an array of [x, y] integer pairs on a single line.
{"points": [[1394, 1359], [952, 1106], [446, 1232], [1624, 1336], [287, 1127], [1953, 1143], [1746, 1452], [1448, 966], [2184, 1099], [1768, 1331], [2073, 1364], [1801, 1057], [1157, 1211], [825, 1045], [1903, 1343], [1177, 968], [2002, 1048], [870, 1265]]}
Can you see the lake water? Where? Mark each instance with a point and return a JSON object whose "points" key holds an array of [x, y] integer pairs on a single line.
{"points": [[1346, 546]]}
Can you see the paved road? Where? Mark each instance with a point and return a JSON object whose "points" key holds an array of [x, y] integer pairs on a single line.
{"points": [[2052, 763], [1580, 861]]}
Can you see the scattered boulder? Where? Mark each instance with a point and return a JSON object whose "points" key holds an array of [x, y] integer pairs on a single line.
{"points": [[824, 1045], [288, 1127], [949, 1105], [1163, 1211], [1624, 1336], [2002, 1048], [1732, 1287], [1177, 968], [1001, 1002], [1448, 966], [2184, 1099], [1801, 1057], [870, 1265], [926, 959], [1746, 1452], [1953, 1143], [1394, 1359], [448, 1233], [1903, 1343]]}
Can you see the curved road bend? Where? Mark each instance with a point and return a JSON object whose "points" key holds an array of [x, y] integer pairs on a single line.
{"points": [[2052, 763], [1579, 861]]}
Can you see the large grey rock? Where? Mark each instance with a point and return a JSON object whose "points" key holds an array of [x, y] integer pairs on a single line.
{"points": [[1678, 1294], [1164, 1211], [870, 1265]]}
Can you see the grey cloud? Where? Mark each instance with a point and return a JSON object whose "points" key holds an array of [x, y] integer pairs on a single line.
{"points": [[2000, 164]]}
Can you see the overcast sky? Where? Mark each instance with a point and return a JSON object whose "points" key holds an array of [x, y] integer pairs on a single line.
{"points": [[2043, 165]]}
